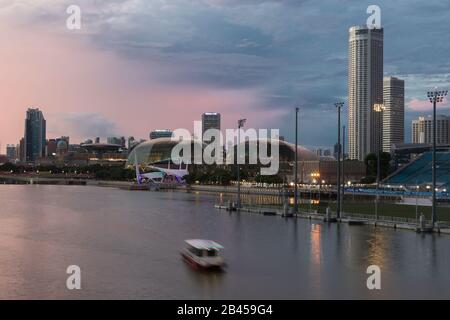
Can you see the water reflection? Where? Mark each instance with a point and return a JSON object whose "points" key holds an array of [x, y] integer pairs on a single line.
{"points": [[207, 281], [378, 248], [127, 244], [316, 248]]}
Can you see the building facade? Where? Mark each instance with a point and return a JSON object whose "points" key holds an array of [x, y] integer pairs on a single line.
{"points": [[161, 133], [11, 152], [116, 140], [422, 130], [210, 120], [35, 135], [394, 112], [365, 91]]}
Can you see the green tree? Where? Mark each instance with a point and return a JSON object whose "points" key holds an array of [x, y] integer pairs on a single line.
{"points": [[371, 165]]}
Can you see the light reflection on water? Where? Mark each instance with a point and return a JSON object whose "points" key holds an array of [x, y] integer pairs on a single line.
{"points": [[127, 245]]}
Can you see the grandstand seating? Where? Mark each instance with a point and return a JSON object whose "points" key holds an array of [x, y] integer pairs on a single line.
{"points": [[419, 171]]}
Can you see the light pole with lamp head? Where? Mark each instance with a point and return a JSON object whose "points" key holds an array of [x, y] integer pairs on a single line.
{"points": [[435, 97], [378, 108], [296, 163], [241, 123], [338, 106]]}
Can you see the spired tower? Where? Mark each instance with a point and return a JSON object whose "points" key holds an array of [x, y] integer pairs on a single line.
{"points": [[365, 91]]}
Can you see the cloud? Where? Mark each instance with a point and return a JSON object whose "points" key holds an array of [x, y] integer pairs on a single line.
{"points": [[425, 105], [266, 56], [84, 125]]}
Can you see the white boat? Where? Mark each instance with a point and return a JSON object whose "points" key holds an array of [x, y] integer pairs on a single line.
{"points": [[203, 254]]}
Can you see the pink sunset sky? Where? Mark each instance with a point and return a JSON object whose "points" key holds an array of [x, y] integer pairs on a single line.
{"points": [[85, 91], [140, 65]]}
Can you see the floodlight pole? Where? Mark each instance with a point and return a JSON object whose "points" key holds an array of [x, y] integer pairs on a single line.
{"points": [[435, 97], [241, 123], [343, 169], [433, 170], [296, 163], [339, 105], [379, 110]]}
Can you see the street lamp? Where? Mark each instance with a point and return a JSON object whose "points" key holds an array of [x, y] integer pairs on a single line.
{"points": [[320, 186], [241, 123], [343, 169], [339, 105], [435, 97], [296, 163], [378, 108], [314, 178]]}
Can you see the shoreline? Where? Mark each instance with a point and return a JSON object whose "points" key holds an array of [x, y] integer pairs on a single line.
{"points": [[266, 209]]}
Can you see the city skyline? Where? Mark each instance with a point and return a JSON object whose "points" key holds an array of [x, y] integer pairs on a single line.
{"points": [[230, 157], [95, 74]]}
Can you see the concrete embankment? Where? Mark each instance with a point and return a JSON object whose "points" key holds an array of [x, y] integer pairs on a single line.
{"points": [[19, 179], [314, 216], [233, 189]]}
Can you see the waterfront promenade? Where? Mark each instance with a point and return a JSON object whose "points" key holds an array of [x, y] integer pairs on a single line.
{"points": [[393, 206]]}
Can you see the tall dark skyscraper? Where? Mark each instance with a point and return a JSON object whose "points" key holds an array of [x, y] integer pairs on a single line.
{"points": [[394, 112], [35, 135], [210, 120]]}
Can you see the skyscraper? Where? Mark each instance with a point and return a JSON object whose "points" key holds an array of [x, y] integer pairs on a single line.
{"points": [[394, 112], [210, 120], [11, 152], [35, 131], [365, 90], [422, 130]]}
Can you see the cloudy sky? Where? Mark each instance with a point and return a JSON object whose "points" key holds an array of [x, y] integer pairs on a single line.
{"points": [[137, 65]]}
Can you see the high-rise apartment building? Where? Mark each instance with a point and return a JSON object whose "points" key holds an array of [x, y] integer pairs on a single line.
{"points": [[394, 112], [35, 131], [422, 130], [365, 91], [210, 120], [11, 152]]}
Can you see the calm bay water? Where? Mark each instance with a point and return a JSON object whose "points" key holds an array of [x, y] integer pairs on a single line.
{"points": [[127, 245]]}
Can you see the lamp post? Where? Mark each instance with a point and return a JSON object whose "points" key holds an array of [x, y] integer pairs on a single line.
{"points": [[314, 178], [343, 170], [241, 123], [322, 182], [417, 203], [435, 97], [296, 163], [378, 108], [339, 105]]}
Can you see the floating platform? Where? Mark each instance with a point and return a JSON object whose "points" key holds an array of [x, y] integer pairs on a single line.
{"points": [[141, 187], [350, 221], [355, 222], [424, 230]]}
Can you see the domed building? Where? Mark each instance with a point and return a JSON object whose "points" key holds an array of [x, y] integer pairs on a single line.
{"points": [[158, 152], [156, 155], [286, 157], [62, 148], [286, 150]]}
